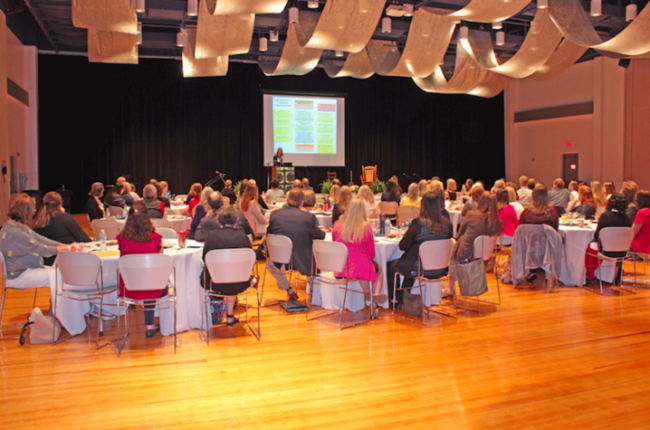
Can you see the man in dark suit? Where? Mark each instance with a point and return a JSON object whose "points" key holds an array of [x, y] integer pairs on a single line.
{"points": [[302, 228], [209, 223], [229, 192]]}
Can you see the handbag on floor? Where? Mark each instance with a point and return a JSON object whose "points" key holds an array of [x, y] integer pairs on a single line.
{"points": [[412, 304], [43, 328], [471, 277]]}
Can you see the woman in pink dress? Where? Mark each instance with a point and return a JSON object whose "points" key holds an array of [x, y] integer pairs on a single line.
{"points": [[356, 234], [139, 237], [507, 214]]}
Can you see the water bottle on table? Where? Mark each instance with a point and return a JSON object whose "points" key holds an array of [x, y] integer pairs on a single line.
{"points": [[102, 239]]}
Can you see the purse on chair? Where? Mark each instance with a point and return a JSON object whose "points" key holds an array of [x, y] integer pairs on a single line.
{"points": [[471, 277], [412, 304]]}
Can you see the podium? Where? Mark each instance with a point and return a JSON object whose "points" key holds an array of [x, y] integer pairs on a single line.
{"points": [[285, 176]]}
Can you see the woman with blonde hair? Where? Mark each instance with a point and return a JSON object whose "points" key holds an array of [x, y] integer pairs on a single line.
{"points": [[450, 194], [200, 210], [599, 194], [423, 188], [356, 234], [251, 209], [412, 199], [344, 199], [334, 194], [368, 201]]}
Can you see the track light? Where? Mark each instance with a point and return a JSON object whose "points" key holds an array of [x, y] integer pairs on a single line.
{"points": [[139, 6], [497, 25], [180, 37], [409, 10], [273, 37], [386, 25], [501, 38], [293, 15], [630, 12], [542, 4], [463, 33], [264, 44], [312, 4], [338, 53], [596, 7], [192, 7], [139, 33]]}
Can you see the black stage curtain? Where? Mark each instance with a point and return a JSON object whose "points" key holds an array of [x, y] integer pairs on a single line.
{"points": [[101, 121]]}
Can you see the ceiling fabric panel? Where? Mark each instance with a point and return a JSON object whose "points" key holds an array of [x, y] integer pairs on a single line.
{"points": [[295, 60], [428, 39], [355, 66], [540, 43], [343, 25], [238, 7], [108, 15], [563, 58], [572, 20], [193, 68], [222, 35], [490, 10], [112, 47]]}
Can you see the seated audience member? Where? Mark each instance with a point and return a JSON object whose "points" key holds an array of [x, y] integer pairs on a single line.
{"points": [[345, 196], [356, 234], [153, 181], [614, 216], [53, 222], [559, 196], [193, 197], [450, 194], [337, 181], [392, 193], [120, 181], [200, 211], [573, 191], [226, 237], [369, 201], [297, 183], [423, 188], [114, 197], [301, 227], [585, 205], [229, 192], [155, 208], [609, 189], [251, 209], [305, 185], [507, 214], [512, 197], [242, 190], [309, 204], [540, 212], [484, 220], [629, 190], [135, 195], [210, 221], [94, 206], [395, 179], [161, 189], [139, 237], [275, 192], [412, 199], [524, 193], [499, 185], [23, 249], [430, 225], [335, 191], [126, 194], [260, 201], [469, 183], [600, 199], [435, 186], [641, 226], [474, 194]]}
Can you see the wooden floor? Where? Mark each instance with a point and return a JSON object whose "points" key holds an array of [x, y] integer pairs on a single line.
{"points": [[570, 359]]}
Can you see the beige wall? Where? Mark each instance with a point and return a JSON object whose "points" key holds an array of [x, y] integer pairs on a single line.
{"points": [[637, 123], [536, 148], [18, 123]]}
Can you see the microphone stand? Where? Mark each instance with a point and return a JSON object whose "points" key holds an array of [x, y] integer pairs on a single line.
{"points": [[215, 180], [411, 179], [417, 176]]}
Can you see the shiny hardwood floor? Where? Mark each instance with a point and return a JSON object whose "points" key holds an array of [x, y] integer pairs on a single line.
{"points": [[568, 359]]}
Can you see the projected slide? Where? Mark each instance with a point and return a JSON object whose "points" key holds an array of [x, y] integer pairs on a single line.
{"points": [[304, 125]]}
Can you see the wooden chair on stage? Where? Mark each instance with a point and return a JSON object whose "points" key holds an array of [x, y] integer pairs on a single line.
{"points": [[369, 175]]}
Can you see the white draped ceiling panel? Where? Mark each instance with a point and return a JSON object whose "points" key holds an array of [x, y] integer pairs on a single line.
{"points": [[193, 68], [238, 7], [572, 20], [112, 47], [343, 25], [295, 60], [490, 10], [540, 43], [108, 15], [425, 48], [563, 58], [355, 66], [222, 35], [468, 78]]}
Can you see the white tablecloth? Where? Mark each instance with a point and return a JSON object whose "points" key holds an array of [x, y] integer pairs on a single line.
{"points": [[179, 209], [179, 222], [386, 249], [576, 241], [456, 219], [188, 263], [324, 220]]}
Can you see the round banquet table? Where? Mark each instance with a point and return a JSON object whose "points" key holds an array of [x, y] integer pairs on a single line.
{"points": [[331, 297], [455, 218], [179, 222], [188, 264], [576, 240], [179, 209]]}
